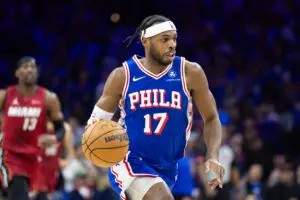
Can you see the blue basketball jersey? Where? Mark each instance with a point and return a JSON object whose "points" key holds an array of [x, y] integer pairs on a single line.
{"points": [[157, 112]]}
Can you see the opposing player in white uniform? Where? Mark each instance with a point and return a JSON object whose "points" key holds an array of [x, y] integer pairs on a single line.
{"points": [[154, 94]]}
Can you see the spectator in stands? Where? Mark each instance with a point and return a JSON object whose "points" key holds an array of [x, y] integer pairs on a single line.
{"points": [[254, 149], [298, 175], [236, 143], [77, 130], [252, 184], [286, 188], [103, 189], [279, 164], [81, 188]]}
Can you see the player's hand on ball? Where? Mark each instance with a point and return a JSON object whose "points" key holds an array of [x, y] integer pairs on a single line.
{"points": [[214, 166], [46, 140]]}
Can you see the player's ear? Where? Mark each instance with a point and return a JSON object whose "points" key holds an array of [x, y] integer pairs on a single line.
{"points": [[145, 42], [17, 73]]}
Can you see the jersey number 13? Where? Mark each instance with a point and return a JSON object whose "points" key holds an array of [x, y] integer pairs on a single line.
{"points": [[29, 124]]}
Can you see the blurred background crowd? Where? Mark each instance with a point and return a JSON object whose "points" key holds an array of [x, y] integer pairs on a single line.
{"points": [[249, 50]]}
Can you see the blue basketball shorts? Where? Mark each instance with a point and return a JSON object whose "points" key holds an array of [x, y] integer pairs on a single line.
{"points": [[131, 167]]}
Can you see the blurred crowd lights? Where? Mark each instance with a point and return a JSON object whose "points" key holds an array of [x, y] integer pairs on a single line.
{"points": [[115, 17]]}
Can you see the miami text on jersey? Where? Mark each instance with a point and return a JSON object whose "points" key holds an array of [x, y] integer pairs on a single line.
{"points": [[14, 111]]}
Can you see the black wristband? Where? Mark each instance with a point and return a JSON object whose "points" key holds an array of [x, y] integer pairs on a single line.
{"points": [[59, 129]]}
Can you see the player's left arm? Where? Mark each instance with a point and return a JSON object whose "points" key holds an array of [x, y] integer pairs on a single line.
{"points": [[69, 146], [198, 86], [55, 115], [68, 141]]}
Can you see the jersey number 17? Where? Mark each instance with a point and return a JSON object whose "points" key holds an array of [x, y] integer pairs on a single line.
{"points": [[161, 117]]}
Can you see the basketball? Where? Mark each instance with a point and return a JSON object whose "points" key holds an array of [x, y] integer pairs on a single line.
{"points": [[105, 143]]}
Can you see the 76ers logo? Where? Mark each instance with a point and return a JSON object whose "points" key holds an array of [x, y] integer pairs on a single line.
{"points": [[172, 74]]}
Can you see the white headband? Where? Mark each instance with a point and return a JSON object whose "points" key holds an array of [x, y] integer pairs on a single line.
{"points": [[158, 28]]}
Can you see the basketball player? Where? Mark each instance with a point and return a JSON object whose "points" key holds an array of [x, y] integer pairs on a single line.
{"points": [[25, 108], [49, 168], [155, 95]]}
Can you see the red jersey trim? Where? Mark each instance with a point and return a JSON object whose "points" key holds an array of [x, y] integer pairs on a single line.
{"points": [[146, 71]]}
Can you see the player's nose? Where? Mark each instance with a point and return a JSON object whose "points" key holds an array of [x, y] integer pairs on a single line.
{"points": [[172, 44], [30, 68]]}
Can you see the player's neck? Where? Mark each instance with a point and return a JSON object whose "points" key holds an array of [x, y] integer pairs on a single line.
{"points": [[25, 90], [152, 65]]}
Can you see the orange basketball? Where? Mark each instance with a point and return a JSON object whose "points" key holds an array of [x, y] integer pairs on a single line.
{"points": [[105, 143]]}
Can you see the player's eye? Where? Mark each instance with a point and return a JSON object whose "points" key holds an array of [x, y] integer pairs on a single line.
{"points": [[164, 40]]}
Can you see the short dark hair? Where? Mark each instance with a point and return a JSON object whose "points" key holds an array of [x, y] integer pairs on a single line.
{"points": [[146, 23], [25, 59]]}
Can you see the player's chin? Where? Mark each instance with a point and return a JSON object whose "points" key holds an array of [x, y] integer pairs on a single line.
{"points": [[168, 59], [30, 79], [30, 82]]}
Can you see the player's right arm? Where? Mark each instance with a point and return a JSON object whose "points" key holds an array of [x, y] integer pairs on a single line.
{"points": [[2, 98], [109, 100]]}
